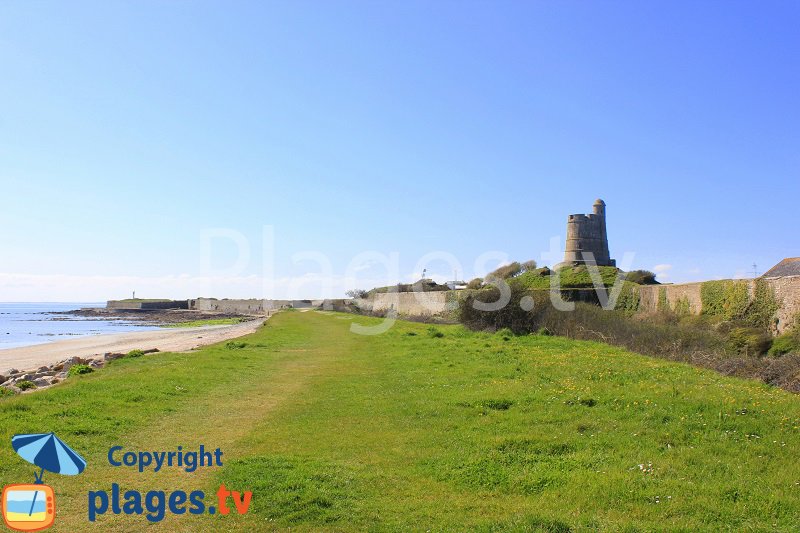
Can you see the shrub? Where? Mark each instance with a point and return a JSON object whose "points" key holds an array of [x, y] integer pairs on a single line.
{"points": [[235, 345], [356, 293], [507, 271], [25, 384], [748, 341], [5, 391], [475, 284], [79, 370], [434, 333], [786, 343], [529, 266], [589, 322], [641, 277], [135, 353]]}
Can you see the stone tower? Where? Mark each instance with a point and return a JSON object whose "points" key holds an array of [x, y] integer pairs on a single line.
{"points": [[587, 233]]}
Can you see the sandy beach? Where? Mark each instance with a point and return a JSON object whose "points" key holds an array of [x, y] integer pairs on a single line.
{"points": [[165, 340]]}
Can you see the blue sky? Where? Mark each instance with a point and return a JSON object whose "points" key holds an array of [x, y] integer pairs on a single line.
{"points": [[129, 130]]}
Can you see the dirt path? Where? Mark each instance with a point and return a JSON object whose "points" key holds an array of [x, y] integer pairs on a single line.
{"points": [[166, 340]]}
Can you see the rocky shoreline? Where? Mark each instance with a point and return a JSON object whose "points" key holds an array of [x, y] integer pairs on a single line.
{"points": [[16, 381]]}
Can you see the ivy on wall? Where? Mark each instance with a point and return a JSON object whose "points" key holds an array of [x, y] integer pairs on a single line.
{"points": [[762, 309], [682, 306], [628, 300], [731, 300], [663, 302], [727, 299]]}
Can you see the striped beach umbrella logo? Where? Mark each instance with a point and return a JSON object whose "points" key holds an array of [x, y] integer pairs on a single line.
{"points": [[48, 452]]}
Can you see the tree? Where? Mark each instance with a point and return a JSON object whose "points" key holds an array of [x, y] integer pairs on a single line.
{"points": [[529, 266], [476, 283], [642, 277], [356, 294]]}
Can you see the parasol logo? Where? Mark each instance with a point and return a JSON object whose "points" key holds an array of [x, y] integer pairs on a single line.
{"points": [[32, 506]]}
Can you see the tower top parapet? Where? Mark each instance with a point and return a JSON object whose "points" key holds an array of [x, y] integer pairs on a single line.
{"points": [[587, 242]]}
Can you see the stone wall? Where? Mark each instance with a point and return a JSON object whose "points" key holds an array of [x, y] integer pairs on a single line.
{"points": [[787, 291], [145, 305], [244, 307], [415, 304]]}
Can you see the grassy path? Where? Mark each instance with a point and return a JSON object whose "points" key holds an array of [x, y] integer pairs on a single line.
{"points": [[428, 429]]}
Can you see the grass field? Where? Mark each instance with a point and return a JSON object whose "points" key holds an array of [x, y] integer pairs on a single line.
{"points": [[427, 429]]}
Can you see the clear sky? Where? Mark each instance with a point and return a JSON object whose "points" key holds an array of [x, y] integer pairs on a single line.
{"points": [[131, 131]]}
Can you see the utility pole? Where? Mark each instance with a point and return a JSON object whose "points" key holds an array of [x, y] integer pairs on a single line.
{"points": [[755, 270]]}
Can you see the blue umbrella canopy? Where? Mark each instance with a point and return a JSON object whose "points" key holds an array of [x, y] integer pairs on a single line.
{"points": [[48, 452]]}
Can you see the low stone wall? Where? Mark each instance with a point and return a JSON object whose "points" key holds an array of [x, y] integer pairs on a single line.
{"points": [[440, 304]]}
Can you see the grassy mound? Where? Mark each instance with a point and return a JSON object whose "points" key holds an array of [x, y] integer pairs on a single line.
{"points": [[569, 278]]}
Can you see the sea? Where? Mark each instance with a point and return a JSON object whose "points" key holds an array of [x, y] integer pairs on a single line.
{"points": [[26, 324]]}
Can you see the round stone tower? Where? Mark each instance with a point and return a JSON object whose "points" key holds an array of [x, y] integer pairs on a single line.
{"points": [[587, 241]]}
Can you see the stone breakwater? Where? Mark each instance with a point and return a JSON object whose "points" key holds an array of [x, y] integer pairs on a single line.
{"points": [[24, 381]]}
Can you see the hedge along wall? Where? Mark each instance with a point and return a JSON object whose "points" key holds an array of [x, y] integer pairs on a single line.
{"points": [[774, 301]]}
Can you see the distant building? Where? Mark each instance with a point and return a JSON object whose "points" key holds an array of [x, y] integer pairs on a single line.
{"points": [[587, 241], [788, 267]]}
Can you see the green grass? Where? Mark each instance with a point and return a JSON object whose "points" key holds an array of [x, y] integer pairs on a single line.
{"points": [[208, 322], [569, 277], [412, 431]]}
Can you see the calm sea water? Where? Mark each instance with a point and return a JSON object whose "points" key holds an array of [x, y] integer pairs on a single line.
{"points": [[24, 324]]}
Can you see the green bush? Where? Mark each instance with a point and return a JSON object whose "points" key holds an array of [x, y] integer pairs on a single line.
{"points": [[506, 271], [475, 284], [235, 345], [748, 341], [434, 333], [25, 384], [79, 370], [641, 277], [5, 391], [135, 353], [786, 343], [589, 322]]}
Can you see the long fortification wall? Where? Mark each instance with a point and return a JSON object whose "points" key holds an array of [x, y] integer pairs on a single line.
{"points": [[245, 307], [787, 292], [145, 305]]}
